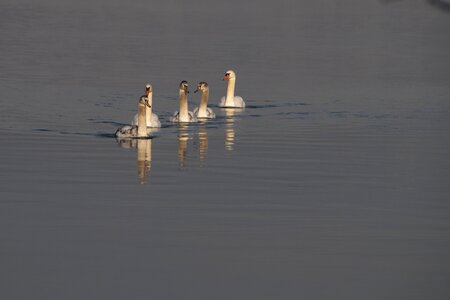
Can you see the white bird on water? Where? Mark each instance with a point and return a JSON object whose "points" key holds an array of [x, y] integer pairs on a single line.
{"points": [[151, 117], [140, 130], [203, 111], [184, 115], [230, 100]]}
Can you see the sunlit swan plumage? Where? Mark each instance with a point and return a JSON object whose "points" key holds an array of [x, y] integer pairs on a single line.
{"points": [[184, 115], [152, 118], [140, 130], [203, 111], [230, 100]]}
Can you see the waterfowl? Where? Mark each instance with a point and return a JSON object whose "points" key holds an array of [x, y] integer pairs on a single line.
{"points": [[203, 111], [152, 118], [184, 115], [140, 130], [230, 100]]}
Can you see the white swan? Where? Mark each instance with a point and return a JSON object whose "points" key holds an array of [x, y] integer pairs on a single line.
{"points": [[230, 100], [184, 115], [203, 111], [152, 118], [141, 130]]}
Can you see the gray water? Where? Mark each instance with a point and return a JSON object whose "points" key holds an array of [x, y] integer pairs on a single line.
{"points": [[332, 184]]}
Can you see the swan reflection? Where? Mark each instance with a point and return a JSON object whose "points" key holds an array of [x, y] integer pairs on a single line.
{"points": [[127, 143], [183, 137], [144, 155], [230, 134], [185, 132], [144, 159], [202, 143]]}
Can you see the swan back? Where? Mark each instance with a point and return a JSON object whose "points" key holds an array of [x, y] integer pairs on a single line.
{"points": [[176, 117], [210, 114], [152, 120], [127, 131]]}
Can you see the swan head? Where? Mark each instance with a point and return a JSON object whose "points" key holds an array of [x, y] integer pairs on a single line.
{"points": [[184, 87], [148, 89], [202, 86], [144, 101], [229, 75]]}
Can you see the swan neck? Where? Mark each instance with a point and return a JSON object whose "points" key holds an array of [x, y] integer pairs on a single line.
{"points": [[203, 103], [142, 122], [230, 91], [148, 110], [184, 115]]}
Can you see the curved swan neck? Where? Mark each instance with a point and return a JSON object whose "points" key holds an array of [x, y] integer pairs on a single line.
{"points": [[230, 92], [142, 122], [184, 115]]}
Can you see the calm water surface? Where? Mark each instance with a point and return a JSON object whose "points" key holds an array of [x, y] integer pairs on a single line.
{"points": [[332, 184]]}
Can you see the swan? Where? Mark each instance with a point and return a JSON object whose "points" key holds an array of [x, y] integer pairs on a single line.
{"points": [[230, 100], [152, 118], [140, 130], [184, 115], [203, 111]]}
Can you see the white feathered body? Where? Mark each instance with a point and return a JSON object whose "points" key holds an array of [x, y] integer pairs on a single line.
{"points": [[208, 115], [176, 117], [152, 120], [236, 101]]}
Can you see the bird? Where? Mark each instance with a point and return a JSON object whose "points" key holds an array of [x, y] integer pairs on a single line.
{"points": [[183, 115], [152, 118], [203, 111], [140, 130], [230, 100]]}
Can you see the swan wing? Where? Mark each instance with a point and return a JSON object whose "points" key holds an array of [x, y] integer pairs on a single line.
{"points": [[222, 101], [175, 117], [126, 131], [210, 113], [239, 102], [154, 121], [134, 121], [192, 117]]}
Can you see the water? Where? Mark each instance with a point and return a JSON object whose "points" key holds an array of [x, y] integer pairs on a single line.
{"points": [[332, 183]]}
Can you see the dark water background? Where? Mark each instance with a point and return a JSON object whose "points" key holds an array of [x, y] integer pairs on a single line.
{"points": [[332, 184]]}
